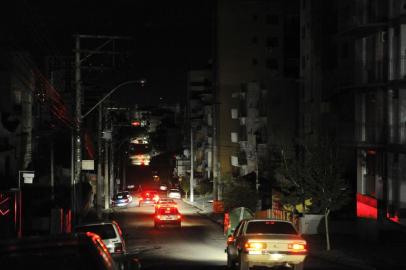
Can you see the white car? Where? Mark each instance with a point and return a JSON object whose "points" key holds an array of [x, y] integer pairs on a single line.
{"points": [[174, 193], [265, 243], [110, 233]]}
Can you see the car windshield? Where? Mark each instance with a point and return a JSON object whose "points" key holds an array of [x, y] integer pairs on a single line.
{"points": [[168, 211], [270, 227], [105, 231], [55, 257], [174, 190], [121, 195]]}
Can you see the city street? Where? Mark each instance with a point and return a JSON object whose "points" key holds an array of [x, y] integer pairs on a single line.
{"points": [[199, 244]]}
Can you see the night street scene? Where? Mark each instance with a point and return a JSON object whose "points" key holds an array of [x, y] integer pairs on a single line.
{"points": [[203, 134]]}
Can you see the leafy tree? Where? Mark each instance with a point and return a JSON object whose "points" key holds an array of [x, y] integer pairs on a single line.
{"points": [[292, 180], [319, 177], [239, 193]]}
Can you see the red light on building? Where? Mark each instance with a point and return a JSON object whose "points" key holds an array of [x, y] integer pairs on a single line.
{"points": [[371, 152], [136, 123], [366, 207]]}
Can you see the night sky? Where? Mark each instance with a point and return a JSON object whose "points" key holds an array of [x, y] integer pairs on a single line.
{"points": [[169, 37]]}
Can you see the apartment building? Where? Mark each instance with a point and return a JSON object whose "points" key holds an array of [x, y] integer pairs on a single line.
{"points": [[256, 72], [353, 85], [200, 113]]}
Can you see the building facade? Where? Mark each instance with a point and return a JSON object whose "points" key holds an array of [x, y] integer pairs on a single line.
{"points": [[257, 56], [352, 69]]}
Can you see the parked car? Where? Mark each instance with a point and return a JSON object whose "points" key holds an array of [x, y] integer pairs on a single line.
{"points": [[110, 233], [167, 216], [265, 243], [67, 251], [174, 193], [148, 197], [123, 198]]}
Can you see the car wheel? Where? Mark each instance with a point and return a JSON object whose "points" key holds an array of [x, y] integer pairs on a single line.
{"points": [[243, 265], [230, 262], [298, 266]]}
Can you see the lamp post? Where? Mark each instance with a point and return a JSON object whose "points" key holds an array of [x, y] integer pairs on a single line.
{"points": [[75, 152]]}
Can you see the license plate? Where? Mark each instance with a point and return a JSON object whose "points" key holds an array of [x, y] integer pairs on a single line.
{"points": [[275, 256], [168, 218]]}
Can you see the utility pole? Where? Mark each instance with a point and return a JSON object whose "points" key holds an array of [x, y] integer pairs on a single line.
{"points": [[99, 182], [76, 157], [214, 155], [106, 169], [191, 164], [111, 161], [77, 146]]}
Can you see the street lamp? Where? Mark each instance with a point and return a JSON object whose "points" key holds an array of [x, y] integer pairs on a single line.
{"points": [[76, 173]]}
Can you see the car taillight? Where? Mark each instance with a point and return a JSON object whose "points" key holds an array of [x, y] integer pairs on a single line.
{"points": [[254, 247], [297, 247], [118, 247], [230, 239], [178, 216], [158, 217]]}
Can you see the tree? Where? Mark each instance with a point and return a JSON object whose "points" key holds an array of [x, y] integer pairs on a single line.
{"points": [[239, 193], [291, 176], [317, 176]]}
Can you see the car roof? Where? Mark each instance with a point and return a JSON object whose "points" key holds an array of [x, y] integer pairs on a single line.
{"points": [[52, 243]]}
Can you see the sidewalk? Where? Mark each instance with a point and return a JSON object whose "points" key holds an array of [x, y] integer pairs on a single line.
{"points": [[346, 250]]}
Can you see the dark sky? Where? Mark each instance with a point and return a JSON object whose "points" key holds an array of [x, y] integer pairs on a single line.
{"points": [[168, 36]]}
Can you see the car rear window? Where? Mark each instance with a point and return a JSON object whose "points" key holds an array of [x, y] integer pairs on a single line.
{"points": [[105, 231], [270, 227], [168, 211]]}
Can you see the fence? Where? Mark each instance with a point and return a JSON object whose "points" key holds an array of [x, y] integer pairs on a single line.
{"points": [[279, 214]]}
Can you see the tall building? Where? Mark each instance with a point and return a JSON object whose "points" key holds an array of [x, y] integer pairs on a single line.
{"points": [[200, 113], [353, 86], [257, 56]]}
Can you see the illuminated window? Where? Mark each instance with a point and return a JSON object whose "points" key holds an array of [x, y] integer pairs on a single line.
{"points": [[234, 137]]}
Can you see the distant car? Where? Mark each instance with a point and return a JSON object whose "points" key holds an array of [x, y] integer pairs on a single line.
{"points": [[148, 197], [174, 193], [163, 187], [265, 243], [65, 251], [110, 233], [165, 202], [167, 216], [123, 198]]}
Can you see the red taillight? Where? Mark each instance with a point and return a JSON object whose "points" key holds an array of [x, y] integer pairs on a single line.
{"points": [[158, 217], [178, 216], [254, 246], [297, 247], [230, 239]]}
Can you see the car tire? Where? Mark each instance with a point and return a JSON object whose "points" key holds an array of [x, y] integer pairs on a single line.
{"points": [[298, 266], [243, 265], [230, 262]]}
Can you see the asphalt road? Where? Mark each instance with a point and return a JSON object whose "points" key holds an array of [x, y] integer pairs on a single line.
{"points": [[198, 244]]}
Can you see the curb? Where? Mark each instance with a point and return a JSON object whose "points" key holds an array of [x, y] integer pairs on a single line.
{"points": [[202, 213]]}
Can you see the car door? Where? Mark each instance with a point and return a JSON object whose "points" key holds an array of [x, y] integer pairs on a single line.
{"points": [[232, 244]]}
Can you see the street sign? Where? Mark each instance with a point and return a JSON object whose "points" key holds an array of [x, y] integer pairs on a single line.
{"points": [[88, 165], [28, 177]]}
